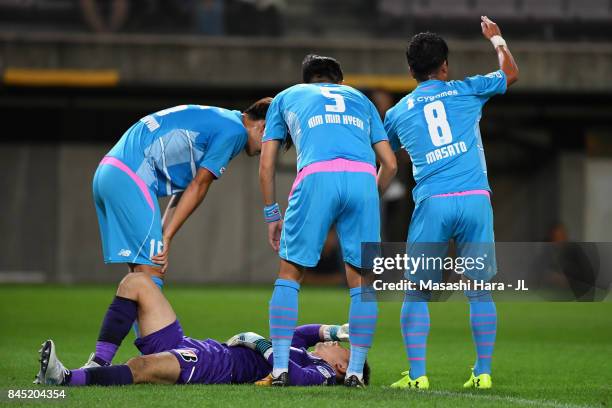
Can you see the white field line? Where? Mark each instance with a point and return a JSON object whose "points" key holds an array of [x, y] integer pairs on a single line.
{"points": [[512, 400]]}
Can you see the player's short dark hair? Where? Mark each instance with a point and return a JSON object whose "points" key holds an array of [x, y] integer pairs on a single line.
{"points": [[426, 53], [317, 66], [259, 109]]}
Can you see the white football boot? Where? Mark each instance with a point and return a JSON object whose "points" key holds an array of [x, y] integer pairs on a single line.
{"points": [[52, 371]]}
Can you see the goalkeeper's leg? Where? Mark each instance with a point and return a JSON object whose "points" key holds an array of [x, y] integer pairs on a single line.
{"points": [[157, 279], [161, 368], [138, 297]]}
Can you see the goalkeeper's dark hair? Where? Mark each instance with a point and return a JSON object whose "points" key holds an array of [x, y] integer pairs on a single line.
{"points": [[317, 68], [426, 53], [259, 109], [366, 375]]}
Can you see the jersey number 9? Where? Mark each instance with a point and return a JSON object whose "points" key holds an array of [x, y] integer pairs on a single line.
{"points": [[439, 129]]}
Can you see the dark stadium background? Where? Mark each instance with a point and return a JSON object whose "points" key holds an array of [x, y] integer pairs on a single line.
{"points": [[76, 74]]}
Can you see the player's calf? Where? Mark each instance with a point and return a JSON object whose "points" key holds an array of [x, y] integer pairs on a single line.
{"points": [[483, 322], [283, 313], [136, 294], [363, 315], [117, 322]]}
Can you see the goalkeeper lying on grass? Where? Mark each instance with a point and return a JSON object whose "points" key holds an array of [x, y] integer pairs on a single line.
{"points": [[170, 357]]}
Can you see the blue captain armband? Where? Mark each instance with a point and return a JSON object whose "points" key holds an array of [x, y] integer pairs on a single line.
{"points": [[272, 213]]}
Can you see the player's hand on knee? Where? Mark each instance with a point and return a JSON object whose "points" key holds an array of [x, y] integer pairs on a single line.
{"points": [[489, 28], [161, 258], [274, 234]]}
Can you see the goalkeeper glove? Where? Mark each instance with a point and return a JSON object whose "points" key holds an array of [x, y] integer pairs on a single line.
{"points": [[335, 332], [253, 341]]}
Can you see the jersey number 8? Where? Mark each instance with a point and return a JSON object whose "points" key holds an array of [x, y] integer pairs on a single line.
{"points": [[439, 129]]}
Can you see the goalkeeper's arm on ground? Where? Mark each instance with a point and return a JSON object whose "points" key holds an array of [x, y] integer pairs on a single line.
{"points": [[308, 335]]}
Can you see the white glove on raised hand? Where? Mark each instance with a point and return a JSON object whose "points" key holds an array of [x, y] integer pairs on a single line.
{"points": [[336, 333], [253, 341]]}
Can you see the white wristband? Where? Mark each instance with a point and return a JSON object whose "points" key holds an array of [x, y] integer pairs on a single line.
{"points": [[498, 41]]}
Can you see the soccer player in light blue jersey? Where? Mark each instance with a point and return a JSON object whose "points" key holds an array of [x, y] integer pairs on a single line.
{"points": [[338, 135], [438, 125], [175, 152]]}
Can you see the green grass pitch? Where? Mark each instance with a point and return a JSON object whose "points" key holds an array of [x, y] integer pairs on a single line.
{"points": [[547, 354]]}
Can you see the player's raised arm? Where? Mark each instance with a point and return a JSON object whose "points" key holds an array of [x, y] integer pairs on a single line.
{"points": [[491, 32], [388, 165], [267, 172], [192, 197]]}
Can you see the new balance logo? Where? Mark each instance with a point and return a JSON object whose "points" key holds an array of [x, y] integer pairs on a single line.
{"points": [[125, 252]]}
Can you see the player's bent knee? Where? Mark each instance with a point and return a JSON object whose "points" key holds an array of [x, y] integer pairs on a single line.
{"points": [[133, 283]]}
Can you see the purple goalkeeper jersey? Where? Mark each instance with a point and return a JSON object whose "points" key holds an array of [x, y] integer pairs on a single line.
{"points": [[304, 367], [211, 362]]}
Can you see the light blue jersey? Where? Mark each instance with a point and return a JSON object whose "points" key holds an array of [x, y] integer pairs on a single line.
{"points": [[325, 122], [158, 156], [333, 128], [165, 149], [438, 125]]}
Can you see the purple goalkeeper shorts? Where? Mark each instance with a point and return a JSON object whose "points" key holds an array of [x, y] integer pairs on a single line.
{"points": [[202, 361]]}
